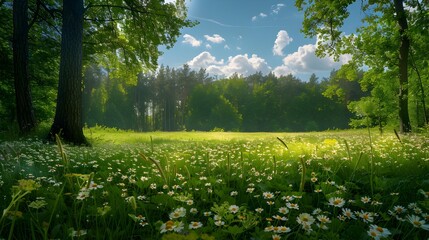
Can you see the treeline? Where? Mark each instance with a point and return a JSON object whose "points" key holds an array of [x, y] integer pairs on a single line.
{"points": [[184, 99]]}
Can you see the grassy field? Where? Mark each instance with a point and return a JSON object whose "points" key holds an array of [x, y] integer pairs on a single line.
{"points": [[218, 185]]}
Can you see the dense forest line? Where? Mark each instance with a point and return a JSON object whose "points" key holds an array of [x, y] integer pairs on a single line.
{"points": [[184, 99], [76, 62]]}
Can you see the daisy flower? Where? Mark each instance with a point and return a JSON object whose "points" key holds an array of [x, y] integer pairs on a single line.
{"points": [[268, 195], [195, 225], [417, 223], [336, 202], [305, 219], [365, 199], [377, 232], [283, 210], [233, 208], [348, 213], [259, 210]]}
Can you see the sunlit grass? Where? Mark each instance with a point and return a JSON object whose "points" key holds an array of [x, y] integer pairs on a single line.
{"points": [[218, 185]]}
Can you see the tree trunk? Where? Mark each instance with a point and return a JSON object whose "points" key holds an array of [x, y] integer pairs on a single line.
{"points": [[404, 119], [24, 104], [68, 114]]}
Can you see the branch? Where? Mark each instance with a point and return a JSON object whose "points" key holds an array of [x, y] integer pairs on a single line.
{"points": [[36, 13], [103, 20], [116, 6]]}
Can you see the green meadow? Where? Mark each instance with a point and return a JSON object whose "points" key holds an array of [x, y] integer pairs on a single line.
{"points": [[355, 184]]}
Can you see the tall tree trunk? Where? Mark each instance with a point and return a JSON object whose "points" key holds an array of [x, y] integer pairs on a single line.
{"points": [[404, 119], [68, 114], [24, 104]]}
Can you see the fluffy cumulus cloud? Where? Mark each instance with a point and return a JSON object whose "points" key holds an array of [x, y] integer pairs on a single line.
{"points": [[189, 39], [304, 60], [281, 42], [204, 60], [216, 38], [240, 64]]}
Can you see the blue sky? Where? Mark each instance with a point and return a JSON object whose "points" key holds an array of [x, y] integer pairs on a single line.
{"points": [[246, 36]]}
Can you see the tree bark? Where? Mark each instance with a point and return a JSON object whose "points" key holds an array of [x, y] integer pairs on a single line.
{"points": [[24, 104], [404, 119], [68, 114]]}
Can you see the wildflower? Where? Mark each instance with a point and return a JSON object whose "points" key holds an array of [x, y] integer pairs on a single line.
{"points": [[378, 232], [190, 202], [207, 214], [78, 233], [177, 213], [283, 210], [323, 221], [234, 193], [336, 202], [283, 229], [217, 217], [412, 205], [233, 208], [219, 223], [195, 225], [399, 209], [374, 233], [193, 210], [83, 194], [417, 223], [317, 211], [348, 213], [268, 195], [425, 194], [276, 237], [417, 210], [270, 202], [250, 190], [268, 229], [292, 206], [305, 219], [172, 226], [280, 218], [366, 216], [259, 210], [288, 198], [365, 199], [318, 190]]}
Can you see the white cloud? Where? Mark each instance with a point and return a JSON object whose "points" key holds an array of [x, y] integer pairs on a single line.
{"points": [[216, 38], [241, 64], [281, 42], [260, 15], [304, 60], [276, 8], [189, 39], [208, 46], [226, 46], [204, 60]]}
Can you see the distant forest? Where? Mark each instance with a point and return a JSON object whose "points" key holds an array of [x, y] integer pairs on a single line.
{"points": [[184, 99]]}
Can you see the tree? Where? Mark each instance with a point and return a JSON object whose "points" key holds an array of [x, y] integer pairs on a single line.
{"points": [[130, 30], [24, 103], [68, 114], [382, 43]]}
